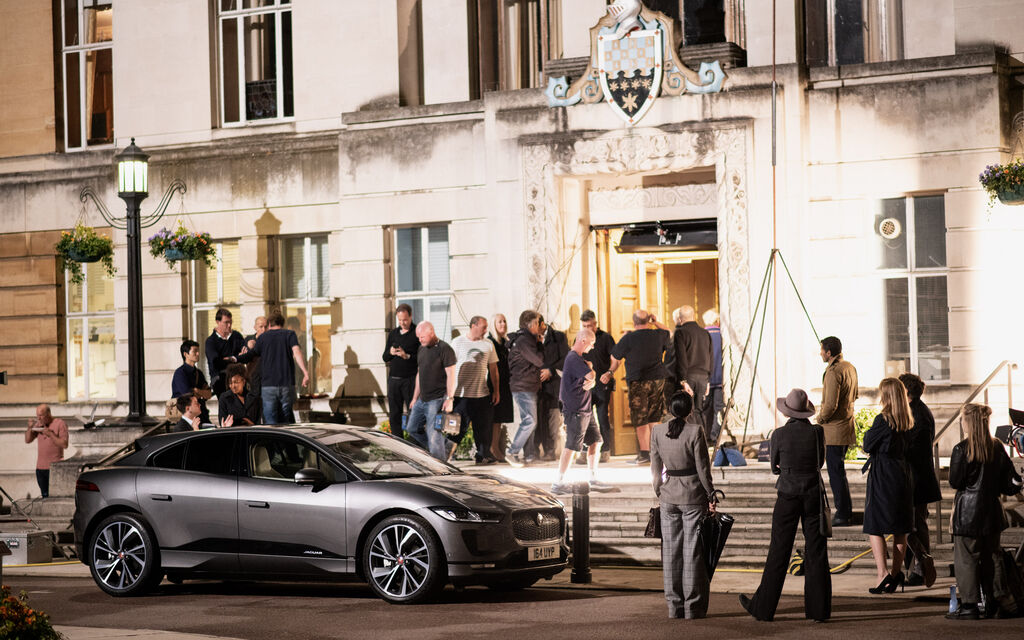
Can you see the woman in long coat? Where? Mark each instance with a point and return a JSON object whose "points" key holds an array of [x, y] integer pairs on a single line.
{"points": [[503, 411], [926, 484], [889, 507], [979, 470], [681, 471]]}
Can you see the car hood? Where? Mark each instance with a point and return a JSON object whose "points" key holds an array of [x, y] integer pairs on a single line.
{"points": [[487, 491]]}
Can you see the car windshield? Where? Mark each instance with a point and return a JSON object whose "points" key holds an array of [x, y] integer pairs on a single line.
{"points": [[379, 455]]}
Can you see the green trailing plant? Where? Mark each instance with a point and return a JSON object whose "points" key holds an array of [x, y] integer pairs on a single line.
{"points": [[463, 452], [864, 418], [83, 244], [1002, 179], [192, 245], [18, 621]]}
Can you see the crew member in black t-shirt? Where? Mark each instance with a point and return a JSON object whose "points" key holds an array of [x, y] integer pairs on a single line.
{"points": [[644, 349], [434, 392], [277, 347], [400, 356]]}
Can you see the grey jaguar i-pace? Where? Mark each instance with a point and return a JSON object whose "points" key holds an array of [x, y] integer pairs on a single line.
{"points": [[309, 502]]}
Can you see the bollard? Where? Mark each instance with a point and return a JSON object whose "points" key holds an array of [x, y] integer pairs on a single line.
{"points": [[581, 533]]}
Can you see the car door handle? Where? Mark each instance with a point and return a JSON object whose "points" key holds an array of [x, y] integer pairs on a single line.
{"points": [[259, 505], [162, 497]]}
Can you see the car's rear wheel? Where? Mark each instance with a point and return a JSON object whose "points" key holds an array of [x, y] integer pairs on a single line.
{"points": [[403, 560], [123, 556]]}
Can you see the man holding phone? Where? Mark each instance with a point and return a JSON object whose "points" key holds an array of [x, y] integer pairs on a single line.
{"points": [[51, 436]]}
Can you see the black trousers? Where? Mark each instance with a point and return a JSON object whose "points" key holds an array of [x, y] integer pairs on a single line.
{"points": [[480, 413], [399, 396], [835, 456], [789, 511], [600, 396], [548, 417], [699, 384], [919, 539]]}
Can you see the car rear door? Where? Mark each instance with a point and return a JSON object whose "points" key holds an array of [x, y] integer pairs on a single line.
{"points": [[189, 494], [285, 528]]}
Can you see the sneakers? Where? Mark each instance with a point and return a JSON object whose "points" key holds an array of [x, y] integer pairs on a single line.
{"points": [[514, 459], [561, 488], [644, 457], [603, 487], [606, 456], [964, 613]]}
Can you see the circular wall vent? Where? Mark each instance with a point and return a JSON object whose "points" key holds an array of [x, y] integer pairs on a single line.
{"points": [[890, 228]]}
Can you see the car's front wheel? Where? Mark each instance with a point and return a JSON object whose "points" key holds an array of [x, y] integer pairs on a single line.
{"points": [[403, 560], [123, 556]]}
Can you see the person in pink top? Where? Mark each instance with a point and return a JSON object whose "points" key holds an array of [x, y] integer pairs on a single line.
{"points": [[51, 436]]}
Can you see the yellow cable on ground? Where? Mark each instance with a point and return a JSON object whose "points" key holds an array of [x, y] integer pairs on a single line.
{"points": [[43, 564]]}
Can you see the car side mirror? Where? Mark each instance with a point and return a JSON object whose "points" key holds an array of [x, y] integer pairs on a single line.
{"points": [[310, 478]]}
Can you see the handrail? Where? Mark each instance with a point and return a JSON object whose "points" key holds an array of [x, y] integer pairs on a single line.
{"points": [[974, 394]]}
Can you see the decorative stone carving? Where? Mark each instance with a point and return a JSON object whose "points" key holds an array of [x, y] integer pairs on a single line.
{"points": [[686, 195]]}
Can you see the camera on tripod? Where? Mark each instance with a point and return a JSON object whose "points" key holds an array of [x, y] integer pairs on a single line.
{"points": [[1013, 434]]}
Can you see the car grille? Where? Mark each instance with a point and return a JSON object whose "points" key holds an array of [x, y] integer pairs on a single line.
{"points": [[526, 528]]}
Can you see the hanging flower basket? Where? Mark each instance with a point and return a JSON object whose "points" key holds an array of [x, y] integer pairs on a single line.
{"points": [[1004, 182], [83, 244], [182, 244]]}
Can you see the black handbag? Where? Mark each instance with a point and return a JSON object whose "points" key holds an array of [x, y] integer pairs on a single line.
{"points": [[653, 529], [825, 510]]}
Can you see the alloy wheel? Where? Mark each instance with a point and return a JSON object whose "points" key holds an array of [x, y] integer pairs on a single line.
{"points": [[120, 555], [399, 561]]}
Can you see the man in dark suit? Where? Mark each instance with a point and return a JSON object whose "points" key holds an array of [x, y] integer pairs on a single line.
{"points": [[188, 405], [797, 455], [693, 358], [549, 417]]}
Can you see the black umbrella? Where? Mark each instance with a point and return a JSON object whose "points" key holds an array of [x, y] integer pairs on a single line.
{"points": [[713, 529]]}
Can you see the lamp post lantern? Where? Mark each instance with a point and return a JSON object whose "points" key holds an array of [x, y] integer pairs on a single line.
{"points": [[133, 188]]}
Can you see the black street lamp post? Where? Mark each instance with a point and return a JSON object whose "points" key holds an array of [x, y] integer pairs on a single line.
{"points": [[133, 188]]}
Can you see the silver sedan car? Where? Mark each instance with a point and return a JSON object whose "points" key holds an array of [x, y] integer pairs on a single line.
{"points": [[309, 502]]}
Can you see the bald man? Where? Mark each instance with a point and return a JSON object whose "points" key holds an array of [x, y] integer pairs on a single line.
{"points": [[693, 359], [51, 436], [434, 391]]}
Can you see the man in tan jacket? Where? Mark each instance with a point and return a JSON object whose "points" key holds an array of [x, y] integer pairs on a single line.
{"points": [[836, 416]]}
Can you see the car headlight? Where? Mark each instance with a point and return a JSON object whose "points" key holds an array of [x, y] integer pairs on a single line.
{"points": [[457, 514]]}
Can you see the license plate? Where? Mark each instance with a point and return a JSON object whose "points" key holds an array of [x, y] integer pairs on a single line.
{"points": [[547, 552]]}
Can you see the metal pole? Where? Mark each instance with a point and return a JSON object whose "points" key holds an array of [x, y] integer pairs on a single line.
{"points": [[581, 534], [136, 353], [938, 505]]}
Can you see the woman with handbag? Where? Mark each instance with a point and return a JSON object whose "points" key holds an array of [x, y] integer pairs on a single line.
{"points": [[889, 503], [979, 470], [797, 456], [681, 472]]}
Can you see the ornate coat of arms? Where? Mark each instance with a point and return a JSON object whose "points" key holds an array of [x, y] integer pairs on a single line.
{"points": [[633, 61]]}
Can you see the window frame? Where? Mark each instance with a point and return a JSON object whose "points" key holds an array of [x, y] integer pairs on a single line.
{"points": [[82, 51], [309, 302], [239, 15], [912, 273], [84, 316], [876, 16], [427, 294]]}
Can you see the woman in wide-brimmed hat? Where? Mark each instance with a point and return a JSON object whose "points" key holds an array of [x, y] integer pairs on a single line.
{"points": [[797, 455]]}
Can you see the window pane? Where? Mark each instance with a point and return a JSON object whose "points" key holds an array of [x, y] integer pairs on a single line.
{"points": [[212, 454], [409, 257], [891, 231], [75, 301], [228, 5], [280, 458], [437, 258], [933, 328], [897, 326], [849, 30], [232, 272], [286, 62], [172, 458], [319, 359], [99, 96], [102, 361], [417, 307], [229, 67], [259, 33], [101, 288], [930, 232], [297, 319], [206, 283], [73, 100], [70, 23], [76, 359], [205, 321], [99, 23], [293, 269], [440, 317], [320, 268]]}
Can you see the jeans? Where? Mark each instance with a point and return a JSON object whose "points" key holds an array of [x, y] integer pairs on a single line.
{"points": [[600, 397], [527, 403], [421, 421], [399, 396], [841, 502], [277, 405], [480, 413], [713, 406], [43, 480]]}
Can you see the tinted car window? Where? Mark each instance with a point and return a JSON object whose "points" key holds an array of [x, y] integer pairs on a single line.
{"points": [[210, 454], [280, 458], [379, 455], [170, 458]]}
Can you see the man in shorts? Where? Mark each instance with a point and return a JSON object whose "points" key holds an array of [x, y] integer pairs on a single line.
{"points": [[644, 350], [581, 430]]}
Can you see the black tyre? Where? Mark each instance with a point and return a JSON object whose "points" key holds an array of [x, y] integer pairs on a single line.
{"points": [[403, 560], [514, 584], [123, 556]]}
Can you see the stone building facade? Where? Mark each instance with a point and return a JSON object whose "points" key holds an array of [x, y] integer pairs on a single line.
{"points": [[347, 156]]}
